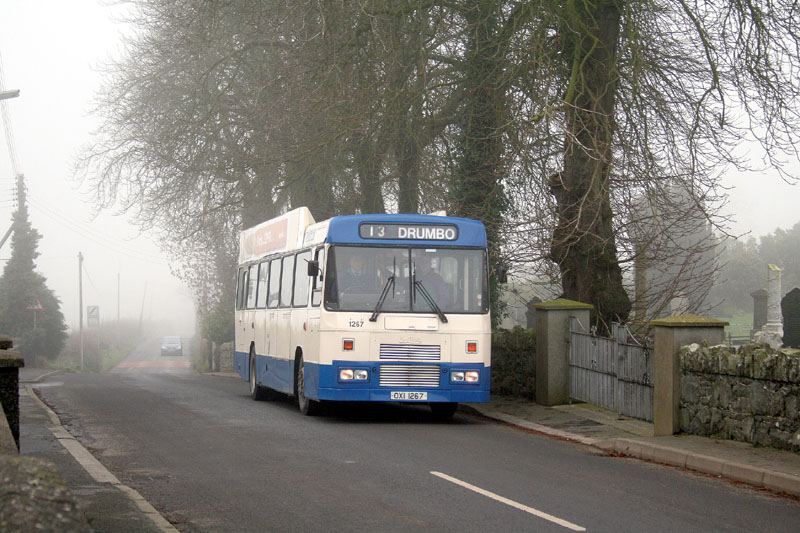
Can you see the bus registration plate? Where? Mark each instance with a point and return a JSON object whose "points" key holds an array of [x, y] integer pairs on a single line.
{"points": [[405, 396]]}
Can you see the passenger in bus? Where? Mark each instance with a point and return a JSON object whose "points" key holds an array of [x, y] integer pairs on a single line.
{"points": [[432, 281], [355, 279]]}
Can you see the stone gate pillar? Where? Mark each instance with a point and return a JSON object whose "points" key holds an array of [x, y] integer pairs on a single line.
{"points": [[10, 363], [552, 347], [670, 334]]}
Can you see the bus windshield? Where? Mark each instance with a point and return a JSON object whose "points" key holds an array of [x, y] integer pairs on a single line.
{"points": [[454, 279]]}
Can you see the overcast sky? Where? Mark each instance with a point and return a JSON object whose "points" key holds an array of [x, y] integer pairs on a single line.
{"points": [[52, 52]]}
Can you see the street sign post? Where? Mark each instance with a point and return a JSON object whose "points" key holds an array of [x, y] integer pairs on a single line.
{"points": [[35, 307], [92, 315]]}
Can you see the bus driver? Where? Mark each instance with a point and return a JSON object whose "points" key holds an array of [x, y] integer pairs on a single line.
{"points": [[355, 279], [432, 281]]}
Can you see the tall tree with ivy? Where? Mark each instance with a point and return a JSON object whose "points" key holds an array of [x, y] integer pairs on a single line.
{"points": [[477, 189], [37, 333]]}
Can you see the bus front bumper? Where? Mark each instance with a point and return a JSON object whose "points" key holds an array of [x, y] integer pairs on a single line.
{"points": [[406, 382]]}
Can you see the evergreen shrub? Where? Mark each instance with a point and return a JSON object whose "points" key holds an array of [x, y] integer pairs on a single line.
{"points": [[514, 362]]}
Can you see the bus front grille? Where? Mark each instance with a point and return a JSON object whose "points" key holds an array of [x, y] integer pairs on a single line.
{"points": [[417, 352], [410, 375]]}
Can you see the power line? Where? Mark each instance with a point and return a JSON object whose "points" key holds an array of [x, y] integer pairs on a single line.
{"points": [[91, 282], [12, 152], [52, 213], [97, 238]]}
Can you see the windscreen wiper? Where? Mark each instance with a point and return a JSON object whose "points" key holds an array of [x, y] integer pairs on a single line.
{"points": [[384, 292], [428, 298]]}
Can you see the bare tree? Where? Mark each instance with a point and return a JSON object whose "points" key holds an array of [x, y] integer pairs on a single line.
{"points": [[631, 100], [563, 125]]}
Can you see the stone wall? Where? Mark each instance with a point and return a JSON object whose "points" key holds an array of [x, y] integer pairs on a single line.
{"points": [[750, 394], [226, 357]]}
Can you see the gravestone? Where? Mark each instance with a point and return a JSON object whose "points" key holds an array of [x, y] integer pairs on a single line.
{"points": [[790, 306], [759, 308], [772, 332]]}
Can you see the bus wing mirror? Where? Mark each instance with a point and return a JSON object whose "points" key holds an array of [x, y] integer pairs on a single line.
{"points": [[502, 274], [313, 268]]}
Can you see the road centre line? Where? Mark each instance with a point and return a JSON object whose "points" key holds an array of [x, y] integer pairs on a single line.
{"points": [[512, 503]]}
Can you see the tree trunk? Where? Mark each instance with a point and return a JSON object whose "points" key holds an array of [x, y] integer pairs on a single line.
{"points": [[583, 243], [478, 189], [257, 204], [309, 188], [368, 161], [408, 174]]}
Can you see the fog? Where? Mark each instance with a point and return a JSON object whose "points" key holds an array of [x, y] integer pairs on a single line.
{"points": [[52, 52]]}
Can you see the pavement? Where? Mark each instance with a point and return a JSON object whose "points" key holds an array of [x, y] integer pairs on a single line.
{"points": [[56, 484], [761, 467], [96, 500]]}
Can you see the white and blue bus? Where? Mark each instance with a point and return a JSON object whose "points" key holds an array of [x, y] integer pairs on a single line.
{"points": [[365, 308]]}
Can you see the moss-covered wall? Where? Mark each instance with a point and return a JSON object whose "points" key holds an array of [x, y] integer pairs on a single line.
{"points": [[749, 394]]}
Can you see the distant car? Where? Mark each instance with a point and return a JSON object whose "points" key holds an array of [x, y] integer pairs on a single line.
{"points": [[171, 346]]}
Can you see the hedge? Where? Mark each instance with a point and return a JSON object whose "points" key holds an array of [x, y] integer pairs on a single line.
{"points": [[514, 362]]}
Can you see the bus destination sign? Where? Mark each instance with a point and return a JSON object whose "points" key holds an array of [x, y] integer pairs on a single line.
{"points": [[420, 232]]}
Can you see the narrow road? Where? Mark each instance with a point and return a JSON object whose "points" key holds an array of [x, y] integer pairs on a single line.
{"points": [[211, 459]]}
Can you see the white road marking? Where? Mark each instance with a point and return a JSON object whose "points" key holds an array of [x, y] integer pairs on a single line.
{"points": [[512, 503], [96, 469]]}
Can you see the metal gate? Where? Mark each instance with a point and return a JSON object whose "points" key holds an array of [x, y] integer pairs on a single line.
{"points": [[610, 372]]}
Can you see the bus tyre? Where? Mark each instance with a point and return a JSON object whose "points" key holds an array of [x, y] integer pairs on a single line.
{"points": [[444, 411], [257, 392], [307, 406]]}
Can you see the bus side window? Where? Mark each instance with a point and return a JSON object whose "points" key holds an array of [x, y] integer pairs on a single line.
{"points": [[331, 298], [316, 292], [263, 277], [252, 279], [287, 276], [301, 281], [241, 288], [274, 283]]}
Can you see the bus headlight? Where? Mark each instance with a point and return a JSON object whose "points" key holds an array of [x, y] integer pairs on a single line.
{"points": [[465, 376], [353, 374]]}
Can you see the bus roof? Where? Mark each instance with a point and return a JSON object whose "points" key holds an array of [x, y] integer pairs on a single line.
{"points": [[297, 229], [284, 232], [405, 229]]}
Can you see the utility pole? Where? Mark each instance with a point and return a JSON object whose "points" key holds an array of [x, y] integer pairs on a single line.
{"points": [[80, 302], [5, 95], [141, 313], [6, 236], [117, 300]]}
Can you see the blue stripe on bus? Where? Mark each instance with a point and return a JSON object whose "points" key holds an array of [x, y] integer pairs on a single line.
{"points": [[322, 380], [272, 372], [344, 230], [241, 364], [371, 390]]}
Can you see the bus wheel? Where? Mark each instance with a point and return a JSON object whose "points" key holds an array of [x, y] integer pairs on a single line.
{"points": [[257, 392], [444, 411], [307, 406]]}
